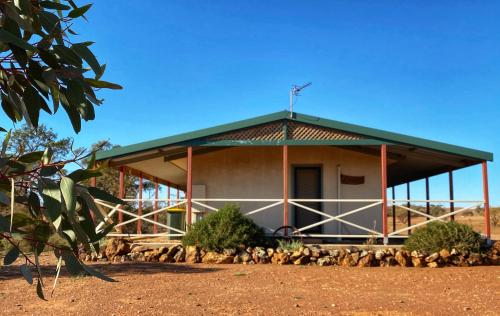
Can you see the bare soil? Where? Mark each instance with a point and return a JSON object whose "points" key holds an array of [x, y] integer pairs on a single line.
{"points": [[182, 289]]}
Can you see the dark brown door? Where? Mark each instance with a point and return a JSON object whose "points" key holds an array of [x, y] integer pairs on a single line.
{"points": [[307, 185]]}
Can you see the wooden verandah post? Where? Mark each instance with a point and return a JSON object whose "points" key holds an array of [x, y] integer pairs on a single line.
{"points": [[155, 208], [189, 186], [139, 210], [285, 187], [408, 205], [452, 197], [393, 209], [427, 198], [121, 194], [383, 167], [487, 227]]}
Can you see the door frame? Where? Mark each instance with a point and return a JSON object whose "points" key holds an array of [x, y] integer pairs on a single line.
{"points": [[293, 170]]}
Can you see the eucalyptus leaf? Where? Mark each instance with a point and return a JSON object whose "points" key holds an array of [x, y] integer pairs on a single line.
{"points": [[86, 54], [54, 5], [7, 37], [47, 155], [31, 157], [39, 289], [4, 198], [103, 84], [79, 11], [80, 175], [4, 224], [72, 264], [48, 171], [11, 256], [103, 195], [68, 194], [26, 272]]}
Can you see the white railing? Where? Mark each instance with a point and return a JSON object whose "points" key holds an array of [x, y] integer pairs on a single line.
{"points": [[146, 217], [269, 204], [326, 214], [329, 212], [339, 218], [403, 204]]}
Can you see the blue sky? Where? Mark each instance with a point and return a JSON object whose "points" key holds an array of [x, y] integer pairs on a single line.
{"points": [[421, 68]]}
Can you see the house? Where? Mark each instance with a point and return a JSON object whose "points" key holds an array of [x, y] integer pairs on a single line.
{"points": [[293, 172]]}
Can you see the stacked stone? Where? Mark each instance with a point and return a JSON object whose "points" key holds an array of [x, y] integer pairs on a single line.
{"points": [[119, 250]]}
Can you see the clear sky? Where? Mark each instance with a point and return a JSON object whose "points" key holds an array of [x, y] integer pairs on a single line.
{"points": [[421, 68]]}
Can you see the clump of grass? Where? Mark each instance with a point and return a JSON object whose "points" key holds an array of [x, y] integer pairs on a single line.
{"points": [[290, 245], [372, 240], [438, 235], [240, 273]]}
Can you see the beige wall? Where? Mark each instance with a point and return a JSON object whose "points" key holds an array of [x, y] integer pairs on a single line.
{"points": [[256, 172]]}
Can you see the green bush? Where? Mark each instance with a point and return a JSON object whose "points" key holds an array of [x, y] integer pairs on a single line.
{"points": [[438, 235], [226, 228]]}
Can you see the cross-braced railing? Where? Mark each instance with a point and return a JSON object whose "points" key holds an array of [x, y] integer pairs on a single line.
{"points": [[327, 217], [134, 217], [459, 206], [340, 217], [269, 204], [330, 211]]}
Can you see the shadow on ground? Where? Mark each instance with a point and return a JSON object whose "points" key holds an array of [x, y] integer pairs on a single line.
{"points": [[115, 269]]}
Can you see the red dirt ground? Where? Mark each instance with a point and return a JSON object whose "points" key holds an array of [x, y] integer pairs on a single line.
{"points": [[182, 289]]}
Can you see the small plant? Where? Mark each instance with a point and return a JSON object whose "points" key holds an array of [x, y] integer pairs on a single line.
{"points": [[226, 228], [290, 245], [372, 240], [438, 235]]}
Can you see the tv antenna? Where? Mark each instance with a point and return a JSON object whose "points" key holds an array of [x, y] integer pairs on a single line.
{"points": [[294, 92]]}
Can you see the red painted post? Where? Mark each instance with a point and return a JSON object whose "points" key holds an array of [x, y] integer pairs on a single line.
{"points": [[427, 197], [189, 185], [487, 226], [285, 187], [393, 209], [168, 195], [155, 208], [139, 210], [121, 193], [383, 167], [408, 205], [452, 195]]}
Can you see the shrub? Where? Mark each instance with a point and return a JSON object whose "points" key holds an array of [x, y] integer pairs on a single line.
{"points": [[226, 228], [290, 245], [438, 235]]}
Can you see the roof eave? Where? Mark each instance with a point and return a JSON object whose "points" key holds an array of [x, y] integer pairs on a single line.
{"points": [[375, 134]]}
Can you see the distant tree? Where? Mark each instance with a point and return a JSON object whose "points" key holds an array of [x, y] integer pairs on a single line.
{"points": [[108, 180], [29, 139]]}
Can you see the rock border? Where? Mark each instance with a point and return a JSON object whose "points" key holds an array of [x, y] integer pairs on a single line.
{"points": [[120, 250]]}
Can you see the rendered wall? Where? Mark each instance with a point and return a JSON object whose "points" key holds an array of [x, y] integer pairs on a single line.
{"points": [[256, 173]]}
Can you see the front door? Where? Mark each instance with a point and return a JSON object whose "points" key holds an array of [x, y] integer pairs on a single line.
{"points": [[307, 185]]}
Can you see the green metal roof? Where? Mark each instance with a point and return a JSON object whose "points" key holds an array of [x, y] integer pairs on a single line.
{"points": [[376, 136]]}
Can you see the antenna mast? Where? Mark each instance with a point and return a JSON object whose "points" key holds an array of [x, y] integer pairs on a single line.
{"points": [[294, 92]]}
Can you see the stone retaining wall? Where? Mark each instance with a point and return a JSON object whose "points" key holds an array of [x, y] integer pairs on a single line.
{"points": [[119, 250]]}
